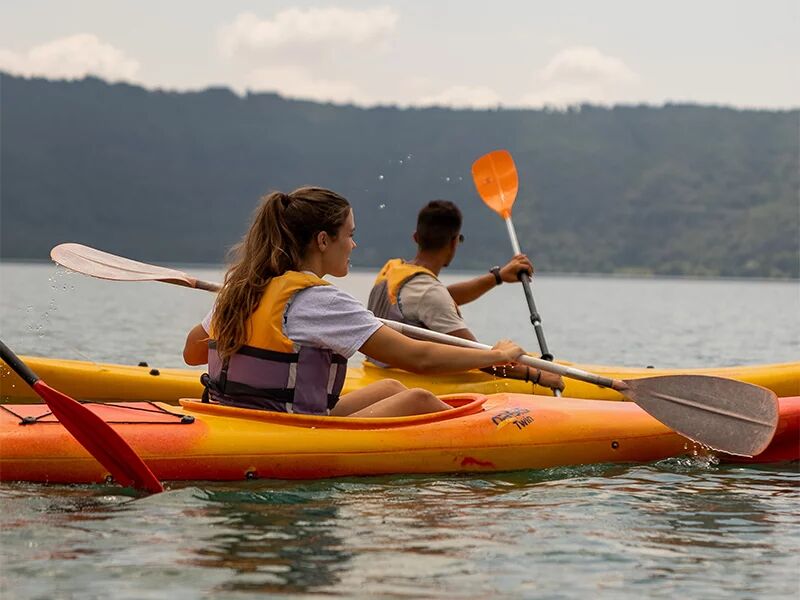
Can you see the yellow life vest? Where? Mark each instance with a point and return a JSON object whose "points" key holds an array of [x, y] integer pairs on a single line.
{"points": [[384, 299], [397, 273], [270, 371]]}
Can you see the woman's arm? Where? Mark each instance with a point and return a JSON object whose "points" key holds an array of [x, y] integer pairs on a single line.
{"points": [[195, 351], [389, 346]]}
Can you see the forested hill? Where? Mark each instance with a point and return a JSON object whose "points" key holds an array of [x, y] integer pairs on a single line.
{"points": [[173, 177]]}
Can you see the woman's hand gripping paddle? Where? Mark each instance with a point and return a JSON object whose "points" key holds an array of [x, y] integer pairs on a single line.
{"points": [[94, 434], [496, 180], [723, 414]]}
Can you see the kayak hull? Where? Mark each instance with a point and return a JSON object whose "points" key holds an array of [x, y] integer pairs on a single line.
{"points": [[111, 382], [503, 432]]}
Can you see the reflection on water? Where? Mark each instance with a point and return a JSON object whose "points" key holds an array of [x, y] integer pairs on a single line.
{"points": [[681, 527], [275, 543]]}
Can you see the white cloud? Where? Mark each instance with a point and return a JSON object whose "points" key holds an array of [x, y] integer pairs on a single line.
{"points": [[461, 96], [580, 74], [581, 65], [296, 82], [71, 57], [295, 27]]}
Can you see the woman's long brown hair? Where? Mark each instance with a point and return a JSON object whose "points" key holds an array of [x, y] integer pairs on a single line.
{"points": [[282, 228]]}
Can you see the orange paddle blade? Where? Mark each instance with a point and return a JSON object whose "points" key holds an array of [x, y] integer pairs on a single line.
{"points": [[495, 178]]}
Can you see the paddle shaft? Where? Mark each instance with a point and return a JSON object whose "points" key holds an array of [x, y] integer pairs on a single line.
{"points": [[16, 365], [208, 286], [538, 363], [536, 319]]}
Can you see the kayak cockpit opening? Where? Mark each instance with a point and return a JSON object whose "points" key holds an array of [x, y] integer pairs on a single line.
{"points": [[463, 405]]}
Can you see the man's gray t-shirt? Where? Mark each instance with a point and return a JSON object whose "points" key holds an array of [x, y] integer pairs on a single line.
{"points": [[426, 299], [324, 316]]}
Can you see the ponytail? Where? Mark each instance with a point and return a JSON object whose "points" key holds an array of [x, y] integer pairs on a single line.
{"points": [[282, 227]]}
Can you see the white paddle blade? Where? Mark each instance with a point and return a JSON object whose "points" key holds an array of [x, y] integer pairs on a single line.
{"points": [[96, 263]]}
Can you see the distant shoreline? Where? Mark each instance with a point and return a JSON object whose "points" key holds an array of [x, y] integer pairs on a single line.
{"points": [[184, 266]]}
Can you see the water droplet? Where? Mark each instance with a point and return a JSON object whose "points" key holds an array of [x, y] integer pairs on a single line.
{"points": [[447, 179], [408, 157], [380, 177], [382, 206], [400, 161]]}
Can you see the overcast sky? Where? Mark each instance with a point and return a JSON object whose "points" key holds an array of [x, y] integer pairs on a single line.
{"points": [[416, 52]]}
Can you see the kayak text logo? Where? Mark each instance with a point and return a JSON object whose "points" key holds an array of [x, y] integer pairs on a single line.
{"points": [[518, 416]]}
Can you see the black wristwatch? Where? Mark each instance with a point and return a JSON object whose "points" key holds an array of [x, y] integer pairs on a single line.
{"points": [[496, 272]]}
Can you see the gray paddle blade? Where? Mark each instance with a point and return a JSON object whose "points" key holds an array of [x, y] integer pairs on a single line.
{"points": [[723, 414]]}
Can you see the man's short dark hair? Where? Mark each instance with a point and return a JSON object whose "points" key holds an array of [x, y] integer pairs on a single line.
{"points": [[438, 223]]}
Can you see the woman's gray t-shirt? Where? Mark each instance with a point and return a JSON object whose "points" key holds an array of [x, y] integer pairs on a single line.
{"points": [[324, 316]]}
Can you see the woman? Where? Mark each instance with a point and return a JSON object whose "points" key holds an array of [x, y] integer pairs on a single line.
{"points": [[279, 336]]}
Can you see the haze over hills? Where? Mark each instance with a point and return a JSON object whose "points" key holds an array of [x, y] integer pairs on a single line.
{"points": [[173, 177]]}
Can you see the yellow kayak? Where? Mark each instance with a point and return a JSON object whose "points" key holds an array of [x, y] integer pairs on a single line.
{"points": [[781, 378], [113, 382]]}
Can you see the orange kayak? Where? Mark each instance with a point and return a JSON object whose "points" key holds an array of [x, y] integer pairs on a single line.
{"points": [[501, 432]]}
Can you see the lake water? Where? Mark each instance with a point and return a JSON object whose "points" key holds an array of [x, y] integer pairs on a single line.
{"points": [[678, 528]]}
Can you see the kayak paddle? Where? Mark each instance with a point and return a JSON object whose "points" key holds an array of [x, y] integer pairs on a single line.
{"points": [[103, 265], [94, 434], [495, 178], [723, 414]]}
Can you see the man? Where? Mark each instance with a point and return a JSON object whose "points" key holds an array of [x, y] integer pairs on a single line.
{"points": [[411, 292]]}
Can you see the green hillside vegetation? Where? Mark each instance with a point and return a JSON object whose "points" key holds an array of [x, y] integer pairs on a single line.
{"points": [[173, 177]]}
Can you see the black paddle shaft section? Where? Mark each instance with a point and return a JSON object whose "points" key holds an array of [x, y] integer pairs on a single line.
{"points": [[19, 367], [536, 320]]}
